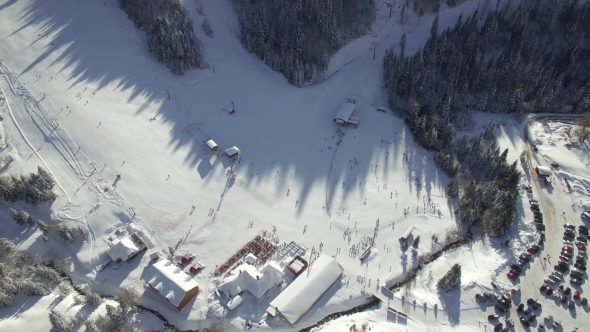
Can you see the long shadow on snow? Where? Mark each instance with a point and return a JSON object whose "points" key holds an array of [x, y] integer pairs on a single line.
{"points": [[277, 126]]}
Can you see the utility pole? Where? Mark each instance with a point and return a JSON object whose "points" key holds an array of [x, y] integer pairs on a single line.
{"points": [[168, 92]]}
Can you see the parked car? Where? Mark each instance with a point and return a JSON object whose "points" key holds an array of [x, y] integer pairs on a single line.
{"points": [[525, 256], [549, 281], [535, 207], [564, 258], [524, 321], [516, 267], [515, 290], [580, 260], [549, 291], [556, 277], [583, 228], [583, 254], [543, 287], [558, 274], [531, 300], [532, 318], [493, 317], [580, 243], [537, 305], [560, 268], [582, 248], [578, 271], [563, 299], [540, 226], [581, 267], [520, 307], [498, 327], [576, 275], [576, 295], [571, 305], [567, 249], [567, 291], [500, 308], [536, 247], [512, 275], [569, 226], [532, 250], [527, 312], [576, 281], [582, 239], [584, 301]]}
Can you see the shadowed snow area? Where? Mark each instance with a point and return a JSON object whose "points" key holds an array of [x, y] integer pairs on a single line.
{"points": [[87, 101]]}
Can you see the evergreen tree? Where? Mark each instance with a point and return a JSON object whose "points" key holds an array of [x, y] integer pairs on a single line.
{"points": [[450, 280], [297, 38], [416, 242], [60, 322]]}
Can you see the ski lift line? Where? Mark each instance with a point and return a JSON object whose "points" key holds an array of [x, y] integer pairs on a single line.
{"points": [[31, 146]]}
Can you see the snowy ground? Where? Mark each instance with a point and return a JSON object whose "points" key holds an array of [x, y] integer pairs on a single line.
{"points": [[83, 99]]}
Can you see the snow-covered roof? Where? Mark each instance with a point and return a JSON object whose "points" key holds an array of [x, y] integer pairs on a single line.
{"points": [[544, 170], [246, 278], [169, 280], [408, 232], [346, 110], [302, 293], [250, 258], [122, 249], [211, 144], [234, 302], [232, 151]]}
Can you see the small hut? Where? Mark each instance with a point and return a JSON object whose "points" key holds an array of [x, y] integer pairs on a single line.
{"points": [[212, 145], [232, 152]]}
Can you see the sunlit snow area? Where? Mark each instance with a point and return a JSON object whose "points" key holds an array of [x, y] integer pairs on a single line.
{"points": [[125, 141]]}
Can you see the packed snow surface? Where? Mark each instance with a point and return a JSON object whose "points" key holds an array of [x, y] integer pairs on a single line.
{"points": [[81, 97]]}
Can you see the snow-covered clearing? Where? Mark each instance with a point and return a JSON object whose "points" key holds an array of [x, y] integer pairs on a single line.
{"points": [[82, 98]]}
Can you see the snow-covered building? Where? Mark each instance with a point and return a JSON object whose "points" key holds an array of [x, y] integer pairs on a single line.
{"points": [[125, 248], [543, 171], [247, 278], [307, 289], [297, 265], [250, 259], [212, 145], [171, 282], [233, 151], [234, 302], [344, 115]]}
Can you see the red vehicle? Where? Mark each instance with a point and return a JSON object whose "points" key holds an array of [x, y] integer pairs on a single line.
{"points": [[577, 295], [567, 248], [549, 291], [511, 275], [187, 257], [582, 248], [532, 250], [532, 318]]}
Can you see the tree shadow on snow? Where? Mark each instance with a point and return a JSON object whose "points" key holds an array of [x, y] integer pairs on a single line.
{"points": [[451, 302], [23, 304], [277, 127]]}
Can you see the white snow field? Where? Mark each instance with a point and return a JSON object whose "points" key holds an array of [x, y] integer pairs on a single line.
{"points": [[82, 97]]}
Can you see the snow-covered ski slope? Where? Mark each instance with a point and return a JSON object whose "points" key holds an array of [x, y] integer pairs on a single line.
{"points": [[88, 102]]}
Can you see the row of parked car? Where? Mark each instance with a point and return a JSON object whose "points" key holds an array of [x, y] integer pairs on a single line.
{"points": [[517, 269]]}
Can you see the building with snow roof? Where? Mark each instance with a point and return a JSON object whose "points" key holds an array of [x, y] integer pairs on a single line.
{"points": [[307, 289], [543, 171], [246, 277], [212, 145], [126, 248], [344, 115], [233, 151], [172, 283]]}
